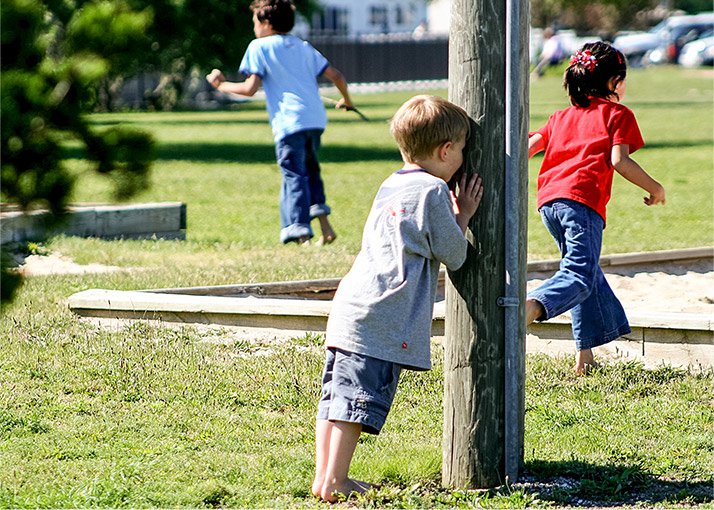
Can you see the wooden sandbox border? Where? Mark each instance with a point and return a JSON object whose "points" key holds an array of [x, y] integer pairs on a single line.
{"points": [[679, 338]]}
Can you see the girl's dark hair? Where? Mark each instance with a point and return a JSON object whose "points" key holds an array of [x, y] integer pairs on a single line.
{"points": [[590, 71], [279, 13]]}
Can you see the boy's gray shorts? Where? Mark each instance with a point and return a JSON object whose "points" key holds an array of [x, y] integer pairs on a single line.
{"points": [[357, 389]]}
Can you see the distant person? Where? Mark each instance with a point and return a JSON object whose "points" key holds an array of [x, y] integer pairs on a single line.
{"points": [[381, 315], [551, 54], [420, 30], [584, 144], [288, 68]]}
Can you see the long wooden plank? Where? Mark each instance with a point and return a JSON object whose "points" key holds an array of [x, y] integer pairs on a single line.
{"points": [[659, 320], [303, 287], [109, 302]]}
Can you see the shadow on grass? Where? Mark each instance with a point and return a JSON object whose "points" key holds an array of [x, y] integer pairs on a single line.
{"points": [[582, 484], [374, 120], [658, 105], [254, 153], [229, 121], [679, 144]]}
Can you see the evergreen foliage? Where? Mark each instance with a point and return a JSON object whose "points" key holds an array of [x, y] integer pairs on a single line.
{"points": [[50, 70]]}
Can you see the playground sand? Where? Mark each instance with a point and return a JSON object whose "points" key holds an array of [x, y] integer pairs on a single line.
{"points": [[662, 287]]}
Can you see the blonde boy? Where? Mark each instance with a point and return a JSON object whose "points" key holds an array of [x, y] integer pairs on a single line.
{"points": [[380, 321]]}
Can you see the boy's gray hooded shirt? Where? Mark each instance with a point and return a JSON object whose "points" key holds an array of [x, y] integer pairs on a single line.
{"points": [[383, 306]]}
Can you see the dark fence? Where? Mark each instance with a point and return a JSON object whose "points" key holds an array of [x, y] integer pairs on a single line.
{"points": [[387, 60], [383, 59]]}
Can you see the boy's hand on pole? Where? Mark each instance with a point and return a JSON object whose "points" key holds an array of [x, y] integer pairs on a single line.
{"points": [[470, 194]]}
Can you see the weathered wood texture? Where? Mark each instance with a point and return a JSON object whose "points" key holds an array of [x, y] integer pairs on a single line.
{"points": [[166, 220], [474, 411]]}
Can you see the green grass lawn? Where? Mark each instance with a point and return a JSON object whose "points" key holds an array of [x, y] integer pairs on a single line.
{"points": [[155, 417]]}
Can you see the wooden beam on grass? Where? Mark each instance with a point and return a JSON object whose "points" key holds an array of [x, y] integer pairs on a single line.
{"points": [[162, 220]]}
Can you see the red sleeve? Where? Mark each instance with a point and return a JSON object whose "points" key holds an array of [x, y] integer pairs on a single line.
{"points": [[624, 129]]}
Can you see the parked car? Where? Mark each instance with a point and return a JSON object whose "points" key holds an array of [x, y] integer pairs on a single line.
{"points": [[634, 45], [699, 52], [664, 41]]}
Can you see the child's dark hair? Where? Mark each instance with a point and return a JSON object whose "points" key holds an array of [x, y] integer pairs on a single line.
{"points": [[590, 71], [279, 13]]}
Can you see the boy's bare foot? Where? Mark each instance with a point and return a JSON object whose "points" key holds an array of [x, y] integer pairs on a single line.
{"points": [[332, 492], [323, 240], [534, 311], [584, 362], [316, 487]]}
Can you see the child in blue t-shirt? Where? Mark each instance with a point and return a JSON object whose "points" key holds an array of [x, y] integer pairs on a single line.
{"points": [[287, 68]]}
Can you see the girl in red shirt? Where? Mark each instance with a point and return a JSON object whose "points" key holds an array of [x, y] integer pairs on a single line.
{"points": [[584, 144]]}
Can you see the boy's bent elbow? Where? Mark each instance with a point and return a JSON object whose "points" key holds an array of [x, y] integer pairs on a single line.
{"points": [[334, 75], [252, 89]]}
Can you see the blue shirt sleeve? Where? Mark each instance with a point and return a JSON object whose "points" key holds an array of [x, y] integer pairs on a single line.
{"points": [[253, 61], [319, 62]]}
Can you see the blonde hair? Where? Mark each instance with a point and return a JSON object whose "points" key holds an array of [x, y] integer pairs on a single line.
{"points": [[425, 122]]}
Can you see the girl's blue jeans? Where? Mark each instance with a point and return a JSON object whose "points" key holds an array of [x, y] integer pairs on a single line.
{"points": [[580, 285], [302, 195]]}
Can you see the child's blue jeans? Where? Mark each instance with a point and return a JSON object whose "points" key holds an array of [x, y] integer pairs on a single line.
{"points": [[302, 196], [580, 285]]}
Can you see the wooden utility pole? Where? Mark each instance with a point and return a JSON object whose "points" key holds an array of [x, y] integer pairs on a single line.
{"points": [[484, 352]]}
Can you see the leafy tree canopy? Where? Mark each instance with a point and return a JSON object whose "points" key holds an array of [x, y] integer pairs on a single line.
{"points": [[54, 54]]}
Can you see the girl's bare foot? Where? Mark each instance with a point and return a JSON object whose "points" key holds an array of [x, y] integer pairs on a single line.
{"points": [[534, 311], [328, 235], [332, 492], [584, 362]]}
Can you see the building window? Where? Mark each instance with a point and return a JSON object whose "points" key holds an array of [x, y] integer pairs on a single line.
{"points": [[331, 21], [399, 15], [378, 17], [405, 16]]}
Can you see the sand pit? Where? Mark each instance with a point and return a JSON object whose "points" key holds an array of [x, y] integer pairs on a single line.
{"points": [[661, 287]]}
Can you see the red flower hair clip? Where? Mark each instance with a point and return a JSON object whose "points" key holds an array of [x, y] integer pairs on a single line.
{"points": [[585, 59]]}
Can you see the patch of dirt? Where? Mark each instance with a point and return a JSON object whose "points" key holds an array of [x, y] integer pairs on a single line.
{"points": [[644, 491], [57, 264]]}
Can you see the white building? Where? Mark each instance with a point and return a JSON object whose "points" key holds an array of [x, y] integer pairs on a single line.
{"points": [[351, 18], [438, 15]]}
